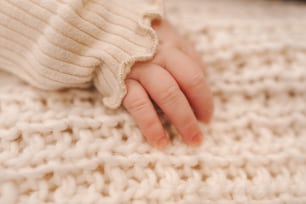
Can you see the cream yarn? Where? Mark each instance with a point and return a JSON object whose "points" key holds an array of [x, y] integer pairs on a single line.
{"points": [[65, 147], [63, 44]]}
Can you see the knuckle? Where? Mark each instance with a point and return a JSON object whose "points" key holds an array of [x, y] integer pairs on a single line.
{"points": [[196, 81], [134, 100], [170, 95], [135, 104]]}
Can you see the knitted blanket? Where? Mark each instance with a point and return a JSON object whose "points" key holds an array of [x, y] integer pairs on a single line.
{"points": [[65, 147]]}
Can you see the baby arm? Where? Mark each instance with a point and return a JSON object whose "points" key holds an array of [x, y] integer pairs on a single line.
{"points": [[55, 45], [175, 81]]}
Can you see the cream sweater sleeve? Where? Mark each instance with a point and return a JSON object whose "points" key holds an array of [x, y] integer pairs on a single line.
{"points": [[60, 44]]}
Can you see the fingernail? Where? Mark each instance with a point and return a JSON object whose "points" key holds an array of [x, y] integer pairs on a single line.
{"points": [[196, 140], [162, 143], [207, 121], [207, 118]]}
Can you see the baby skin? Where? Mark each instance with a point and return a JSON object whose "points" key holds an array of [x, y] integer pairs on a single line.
{"points": [[174, 80]]}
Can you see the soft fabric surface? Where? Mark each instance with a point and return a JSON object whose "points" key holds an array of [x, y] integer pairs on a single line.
{"points": [[76, 43], [65, 147]]}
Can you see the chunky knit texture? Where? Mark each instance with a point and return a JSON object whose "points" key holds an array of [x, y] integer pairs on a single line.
{"points": [[75, 43], [65, 147]]}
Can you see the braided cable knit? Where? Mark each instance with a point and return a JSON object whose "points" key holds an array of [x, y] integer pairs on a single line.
{"points": [[66, 147]]}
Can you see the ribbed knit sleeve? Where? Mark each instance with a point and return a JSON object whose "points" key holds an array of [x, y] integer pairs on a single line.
{"points": [[77, 43]]}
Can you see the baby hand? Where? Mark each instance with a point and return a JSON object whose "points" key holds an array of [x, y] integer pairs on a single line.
{"points": [[175, 81]]}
